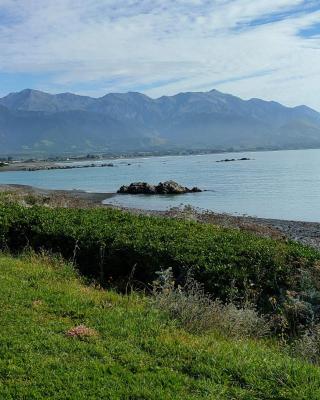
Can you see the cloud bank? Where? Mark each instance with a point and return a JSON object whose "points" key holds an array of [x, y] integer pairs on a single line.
{"points": [[265, 48]]}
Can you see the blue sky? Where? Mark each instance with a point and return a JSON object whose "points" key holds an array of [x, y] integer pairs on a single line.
{"points": [[251, 48]]}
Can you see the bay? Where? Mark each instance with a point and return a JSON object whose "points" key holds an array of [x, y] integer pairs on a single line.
{"points": [[274, 184]]}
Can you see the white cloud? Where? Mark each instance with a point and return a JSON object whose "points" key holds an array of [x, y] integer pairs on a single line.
{"points": [[164, 46]]}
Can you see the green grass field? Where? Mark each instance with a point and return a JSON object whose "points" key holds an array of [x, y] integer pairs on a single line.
{"points": [[133, 352]]}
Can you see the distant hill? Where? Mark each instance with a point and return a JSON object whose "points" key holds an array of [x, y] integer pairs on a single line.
{"points": [[33, 121]]}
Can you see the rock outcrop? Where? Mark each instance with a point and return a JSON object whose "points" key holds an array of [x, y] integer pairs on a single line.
{"points": [[172, 187], [138, 188], [168, 187]]}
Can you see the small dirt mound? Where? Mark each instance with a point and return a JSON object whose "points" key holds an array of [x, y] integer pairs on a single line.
{"points": [[81, 331]]}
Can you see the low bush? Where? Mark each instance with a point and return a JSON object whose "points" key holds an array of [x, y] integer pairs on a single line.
{"points": [[197, 312], [106, 244], [188, 304], [308, 346]]}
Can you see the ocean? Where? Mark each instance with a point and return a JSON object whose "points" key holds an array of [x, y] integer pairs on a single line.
{"points": [[274, 184]]}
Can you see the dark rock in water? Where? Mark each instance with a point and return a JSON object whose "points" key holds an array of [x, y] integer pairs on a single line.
{"points": [[168, 187], [171, 187], [138, 188], [227, 160], [234, 159], [195, 189]]}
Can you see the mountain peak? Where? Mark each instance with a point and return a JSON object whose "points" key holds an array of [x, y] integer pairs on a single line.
{"points": [[26, 99], [29, 92]]}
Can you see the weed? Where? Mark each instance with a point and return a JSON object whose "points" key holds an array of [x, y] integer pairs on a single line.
{"points": [[308, 346], [197, 312]]}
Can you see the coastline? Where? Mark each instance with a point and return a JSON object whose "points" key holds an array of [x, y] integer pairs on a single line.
{"points": [[107, 161], [307, 233], [88, 198], [50, 165]]}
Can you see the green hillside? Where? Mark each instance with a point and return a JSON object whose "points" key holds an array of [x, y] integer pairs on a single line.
{"points": [[129, 351]]}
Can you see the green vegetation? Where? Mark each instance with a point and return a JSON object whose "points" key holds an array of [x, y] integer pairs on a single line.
{"points": [[67, 339], [125, 349], [279, 277]]}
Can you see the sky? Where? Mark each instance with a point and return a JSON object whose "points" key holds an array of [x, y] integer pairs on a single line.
{"points": [[268, 49]]}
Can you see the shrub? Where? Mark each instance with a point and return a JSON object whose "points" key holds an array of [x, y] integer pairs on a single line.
{"points": [[106, 244], [188, 304], [308, 346], [197, 312]]}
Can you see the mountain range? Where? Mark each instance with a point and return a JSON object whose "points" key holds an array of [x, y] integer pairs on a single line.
{"points": [[32, 121]]}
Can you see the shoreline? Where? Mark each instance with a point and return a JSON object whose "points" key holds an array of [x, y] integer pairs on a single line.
{"points": [[304, 232], [94, 198], [50, 165], [43, 165]]}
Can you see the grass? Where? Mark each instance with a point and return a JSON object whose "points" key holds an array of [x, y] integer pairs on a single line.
{"points": [[131, 351]]}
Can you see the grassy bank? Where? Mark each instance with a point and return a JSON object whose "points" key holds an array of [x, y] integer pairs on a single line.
{"points": [[109, 245], [128, 351]]}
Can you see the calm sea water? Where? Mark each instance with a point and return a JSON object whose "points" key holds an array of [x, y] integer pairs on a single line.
{"points": [[282, 184]]}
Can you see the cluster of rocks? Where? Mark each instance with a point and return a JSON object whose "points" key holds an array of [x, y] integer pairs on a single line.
{"points": [[168, 187], [234, 159]]}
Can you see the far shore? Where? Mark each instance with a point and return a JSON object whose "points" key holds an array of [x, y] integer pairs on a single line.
{"points": [[304, 232], [107, 161], [52, 165]]}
